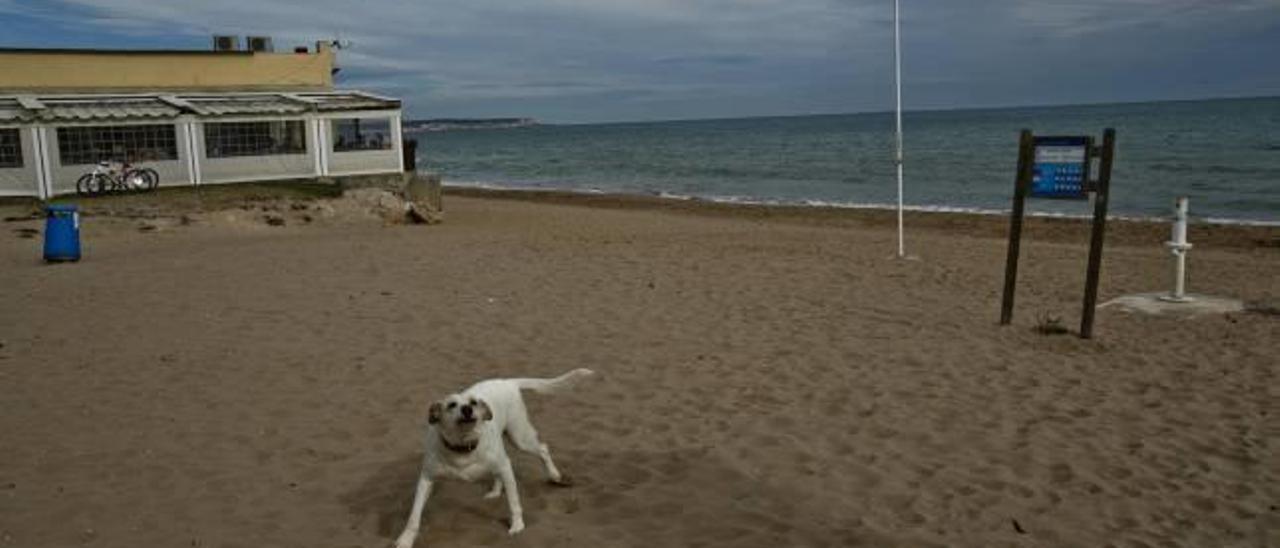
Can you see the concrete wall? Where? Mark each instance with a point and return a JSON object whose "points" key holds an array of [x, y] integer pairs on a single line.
{"points": [[22, 181], [30, 71]]}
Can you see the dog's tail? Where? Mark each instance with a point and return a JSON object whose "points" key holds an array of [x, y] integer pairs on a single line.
{"points": [[551, 386]]}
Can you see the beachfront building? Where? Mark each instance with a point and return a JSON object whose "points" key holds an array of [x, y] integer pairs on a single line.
{"points": [[196, 117]]}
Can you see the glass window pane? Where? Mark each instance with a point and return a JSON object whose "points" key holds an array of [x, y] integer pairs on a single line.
{"points": [[352, 134], [268, 138], [132, 144], [10, 148]]}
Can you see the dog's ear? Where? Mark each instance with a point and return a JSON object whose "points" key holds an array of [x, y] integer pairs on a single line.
{"points": [[435, 413], [486, 414]]}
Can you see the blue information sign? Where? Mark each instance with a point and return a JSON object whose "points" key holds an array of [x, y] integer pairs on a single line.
{"points": [[1061, 167]]}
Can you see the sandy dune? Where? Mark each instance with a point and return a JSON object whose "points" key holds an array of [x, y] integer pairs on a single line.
{"points": [[764, 382]]}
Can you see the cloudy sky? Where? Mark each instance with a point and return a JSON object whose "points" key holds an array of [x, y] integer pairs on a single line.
{"points": [[611, 60]]}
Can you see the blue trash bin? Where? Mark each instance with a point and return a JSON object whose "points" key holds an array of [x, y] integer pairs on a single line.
{"points": [[61, 233]]}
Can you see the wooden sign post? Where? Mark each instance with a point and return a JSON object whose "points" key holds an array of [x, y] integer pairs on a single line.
{"points": [[1060, 168]]}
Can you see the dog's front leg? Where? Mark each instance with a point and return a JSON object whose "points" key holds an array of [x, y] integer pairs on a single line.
{"points": [[496, 491], [410, 533], [508, 478]]}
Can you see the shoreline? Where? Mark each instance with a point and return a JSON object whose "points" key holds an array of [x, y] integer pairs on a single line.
{"points": [[857, 206], [994, 224], [1121, 230]]}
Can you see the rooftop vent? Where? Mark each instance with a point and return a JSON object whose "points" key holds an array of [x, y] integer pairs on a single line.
{"points": [[260, 44], [226, 43]]}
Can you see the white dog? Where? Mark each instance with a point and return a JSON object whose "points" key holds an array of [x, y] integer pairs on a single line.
{"points": [[464, 441]]}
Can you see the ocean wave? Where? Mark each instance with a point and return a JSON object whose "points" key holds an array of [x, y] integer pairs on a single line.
{"points": [[1171, 167], [1237, 222], [486, 185], [1214, 169], [1236, 170], [673, 196]]}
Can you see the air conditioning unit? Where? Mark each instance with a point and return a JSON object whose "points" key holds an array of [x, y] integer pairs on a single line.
{"points": [[226, 43], [260, 44]]}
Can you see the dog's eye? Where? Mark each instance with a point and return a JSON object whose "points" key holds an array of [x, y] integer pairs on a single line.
{"points": [[453, 404]]}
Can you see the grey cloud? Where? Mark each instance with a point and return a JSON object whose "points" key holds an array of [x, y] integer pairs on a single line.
{"points": [[584, 60], [723, 59]]}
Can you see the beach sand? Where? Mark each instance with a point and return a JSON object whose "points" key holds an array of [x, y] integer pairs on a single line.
{"points": [[768, 377]]}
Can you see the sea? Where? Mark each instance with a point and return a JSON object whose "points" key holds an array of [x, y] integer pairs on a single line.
{"points": [[1224, 155]]}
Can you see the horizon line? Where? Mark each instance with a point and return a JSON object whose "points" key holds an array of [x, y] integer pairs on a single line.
{"points": [[872, 112]]}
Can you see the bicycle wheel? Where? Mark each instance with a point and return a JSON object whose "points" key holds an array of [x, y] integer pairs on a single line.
{"points": [[82, 184], [89, 184], [153, 178], [110, 184], [134, 180]]}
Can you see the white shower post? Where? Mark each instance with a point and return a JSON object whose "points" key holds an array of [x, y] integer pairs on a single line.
{"points": [[1178, 246], [897, 87]]}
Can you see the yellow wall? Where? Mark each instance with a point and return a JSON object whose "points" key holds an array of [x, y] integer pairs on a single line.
{"points": [[31, 71]]}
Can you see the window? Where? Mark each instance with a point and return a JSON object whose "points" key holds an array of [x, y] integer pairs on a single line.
{"points": [[230, 139], [10, 148], [93, 144], [352, 134]]}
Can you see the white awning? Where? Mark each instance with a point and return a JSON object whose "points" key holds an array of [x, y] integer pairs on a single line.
{"points": [[90, 107]]}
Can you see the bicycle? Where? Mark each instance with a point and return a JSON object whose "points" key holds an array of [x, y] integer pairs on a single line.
{"points": [[106, 178]]}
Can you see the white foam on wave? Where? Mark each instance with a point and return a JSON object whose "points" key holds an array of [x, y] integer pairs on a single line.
{"points": [[486, 185], [672, 196], [1241, 222], [482, 185]]}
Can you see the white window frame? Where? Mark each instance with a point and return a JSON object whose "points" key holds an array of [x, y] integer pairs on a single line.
{"points": [[204, 123], [51, 134], [324, 120]]}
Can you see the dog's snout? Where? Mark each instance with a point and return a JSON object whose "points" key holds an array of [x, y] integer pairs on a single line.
{"points": [[467, 411]]}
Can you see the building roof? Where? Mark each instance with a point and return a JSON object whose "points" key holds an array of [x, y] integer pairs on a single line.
{"points": [[92, 107], [120, 51]]}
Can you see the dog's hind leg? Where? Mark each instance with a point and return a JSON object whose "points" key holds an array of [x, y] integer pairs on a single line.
{"points": [[525, 437]]}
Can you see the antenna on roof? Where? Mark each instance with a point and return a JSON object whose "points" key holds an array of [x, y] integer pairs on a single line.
{"points": [[339, 43]]}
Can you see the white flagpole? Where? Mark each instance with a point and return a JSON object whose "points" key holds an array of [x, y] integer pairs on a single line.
{"points": [[897, 63]]}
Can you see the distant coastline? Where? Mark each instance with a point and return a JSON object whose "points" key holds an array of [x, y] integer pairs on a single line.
{"points": [[453, 124]]}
